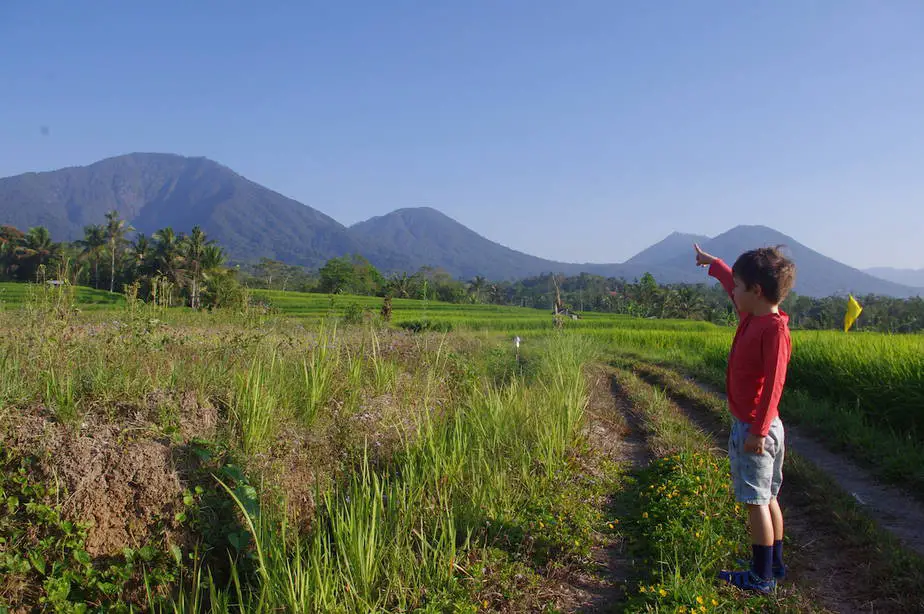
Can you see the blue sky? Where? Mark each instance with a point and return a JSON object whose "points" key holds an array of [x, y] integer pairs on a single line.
{"points": [[579, 131]]}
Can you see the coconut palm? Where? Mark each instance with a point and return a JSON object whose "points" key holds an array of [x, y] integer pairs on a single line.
{"points": [[142, 253], [11, 244], [116, 230], [92, 247], [38, 250], [168, 257], [476, 288], [193, 250]]}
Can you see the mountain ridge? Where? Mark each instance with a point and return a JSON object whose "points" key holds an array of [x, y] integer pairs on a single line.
{"points": [[908, 277], [154, 190]]}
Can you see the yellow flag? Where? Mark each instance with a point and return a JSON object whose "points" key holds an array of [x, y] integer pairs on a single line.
{"points": [[853, 312]]}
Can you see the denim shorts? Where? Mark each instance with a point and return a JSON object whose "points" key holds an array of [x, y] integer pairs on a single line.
{"points": [[756, 478]]}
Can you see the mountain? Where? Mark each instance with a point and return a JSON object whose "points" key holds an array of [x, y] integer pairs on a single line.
{"points": [[250, 221], [152, 191], [816, 274], [675, 244], [908, 277], [408, 239]]}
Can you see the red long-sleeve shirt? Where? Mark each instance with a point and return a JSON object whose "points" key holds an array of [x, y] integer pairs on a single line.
{"points": [[757, 361]]}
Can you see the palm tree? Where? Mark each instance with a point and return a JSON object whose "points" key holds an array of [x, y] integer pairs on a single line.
{"points": [[684, 302], [168, 258], [213, 257], [39, 250], [141, 252], [476, 288], [116, 230], [400, 285], [11, 245], [92, 247], [193, 250]]}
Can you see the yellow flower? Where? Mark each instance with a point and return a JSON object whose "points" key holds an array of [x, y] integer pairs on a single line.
{"points": [[662, 592], [645, 515], [682, 609], [541, 526], [714, 602], [641, 589], [611, 525], [699, 600], [697, 534], [616, 521], [702, 608], [485, 604]]}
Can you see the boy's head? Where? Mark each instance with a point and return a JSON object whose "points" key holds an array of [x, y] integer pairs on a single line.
{"points": [[763, 278]]}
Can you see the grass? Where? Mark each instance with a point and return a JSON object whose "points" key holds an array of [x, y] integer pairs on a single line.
{"points": [[470, 489], [370, 469], [891, 574], [443, 472], [14, 295], [681, 518], [896, 457]]}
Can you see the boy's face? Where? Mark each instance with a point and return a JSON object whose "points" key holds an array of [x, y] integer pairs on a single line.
{"points": [[747, 300]]}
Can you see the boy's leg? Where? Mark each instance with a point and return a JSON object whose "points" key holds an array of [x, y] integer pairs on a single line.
{"points": [[752, 477], [762, 529], [761, 540], [777, 432], [776, 516]]}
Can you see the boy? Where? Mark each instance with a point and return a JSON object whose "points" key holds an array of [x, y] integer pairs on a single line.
{"points": [[757, 284]]}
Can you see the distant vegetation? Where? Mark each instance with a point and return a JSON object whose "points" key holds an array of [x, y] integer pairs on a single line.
{"points": [[167, 268], [191, 270], [643, 298]]}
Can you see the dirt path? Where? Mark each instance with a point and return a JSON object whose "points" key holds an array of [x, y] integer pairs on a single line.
{"points": [[894, 510], [614, 430], [839, 569]]}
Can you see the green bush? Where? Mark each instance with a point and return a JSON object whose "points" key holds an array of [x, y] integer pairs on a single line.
{"points": [[420, 326]]}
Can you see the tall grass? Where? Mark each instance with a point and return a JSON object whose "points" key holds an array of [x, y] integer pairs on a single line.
{"points": [[61, 396], [253, 407], [320, 370], [398, 537], [384, 373]]}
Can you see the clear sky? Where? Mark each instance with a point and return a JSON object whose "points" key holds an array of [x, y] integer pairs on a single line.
{"points": [[579, 130]]}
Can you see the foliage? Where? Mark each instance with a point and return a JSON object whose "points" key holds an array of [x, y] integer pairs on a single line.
{"points": [[426, 325], [44, 563], [350, 275]]}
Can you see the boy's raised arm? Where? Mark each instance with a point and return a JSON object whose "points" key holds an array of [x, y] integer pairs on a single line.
{"points": [[717, 269]]}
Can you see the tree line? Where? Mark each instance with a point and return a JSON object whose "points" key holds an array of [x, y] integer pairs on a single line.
{"points": [[190, 269], [644, 297], [172, 268]]}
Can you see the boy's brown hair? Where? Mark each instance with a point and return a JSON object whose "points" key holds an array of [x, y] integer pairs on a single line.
{"points": [[768, 268]]}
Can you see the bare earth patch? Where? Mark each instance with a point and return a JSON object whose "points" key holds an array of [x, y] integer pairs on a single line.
{"points": [[119, 478]]}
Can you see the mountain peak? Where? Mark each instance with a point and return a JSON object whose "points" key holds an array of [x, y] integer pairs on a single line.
{"points": [[667, 248], [154, 190]]}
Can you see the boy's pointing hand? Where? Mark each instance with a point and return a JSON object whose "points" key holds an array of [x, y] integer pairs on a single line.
{"points": [[702, 258]]}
